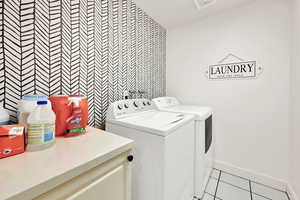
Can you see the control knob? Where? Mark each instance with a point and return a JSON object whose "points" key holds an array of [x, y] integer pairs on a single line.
{"points": [[120, 107]]}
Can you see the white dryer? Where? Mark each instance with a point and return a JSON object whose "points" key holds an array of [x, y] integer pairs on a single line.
{"points": [[163, 168], [204, 141]]}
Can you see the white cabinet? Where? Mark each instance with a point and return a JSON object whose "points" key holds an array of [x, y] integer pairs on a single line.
{"points": [[93, 166], [109, 181]]}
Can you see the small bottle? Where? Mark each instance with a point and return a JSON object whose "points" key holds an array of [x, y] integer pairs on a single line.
{"points": [[41, 127], [75, 122]]}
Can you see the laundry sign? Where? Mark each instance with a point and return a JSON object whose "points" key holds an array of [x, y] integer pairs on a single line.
{"points": [[233, 70]]}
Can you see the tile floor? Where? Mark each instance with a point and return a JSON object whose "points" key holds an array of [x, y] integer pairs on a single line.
{"points": [[225, 186]]}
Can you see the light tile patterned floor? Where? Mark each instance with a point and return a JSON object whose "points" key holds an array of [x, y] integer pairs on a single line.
{"points": [[225, 186]]}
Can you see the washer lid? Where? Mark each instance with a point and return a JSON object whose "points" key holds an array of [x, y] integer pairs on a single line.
{"points": [[202, 113], [156, 122]]}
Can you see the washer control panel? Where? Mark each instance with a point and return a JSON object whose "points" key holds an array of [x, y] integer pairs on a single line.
{"points": [[129, 106], [162, 102]]}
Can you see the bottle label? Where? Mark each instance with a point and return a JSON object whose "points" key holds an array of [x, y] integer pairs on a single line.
{"points": [[76, 121], [77, 130], [48, 137], [40, 133]]}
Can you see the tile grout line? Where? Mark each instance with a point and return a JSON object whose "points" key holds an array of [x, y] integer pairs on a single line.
{"points": [[245, 189], [205, 189], [217, 198], [268, 186], [251, 195], [233, 175], [267, 198], [240, 188], [251, 181], [227, 183], [217, 185]]}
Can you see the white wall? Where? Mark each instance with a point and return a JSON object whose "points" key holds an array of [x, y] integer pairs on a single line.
{"points": [[251, 116], [295, 164]]}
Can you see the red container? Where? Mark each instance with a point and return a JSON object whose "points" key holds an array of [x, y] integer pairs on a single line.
{"points": [[63, 110], [11, 140]]}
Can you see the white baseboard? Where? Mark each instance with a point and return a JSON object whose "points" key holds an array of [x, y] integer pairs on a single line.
{"points": [[291, 192], [254, 176]]}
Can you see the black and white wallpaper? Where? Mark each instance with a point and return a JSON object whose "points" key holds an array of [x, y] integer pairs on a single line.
{"points": [[99, 48]]}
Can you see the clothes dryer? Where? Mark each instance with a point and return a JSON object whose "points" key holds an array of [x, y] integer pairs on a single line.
{"points": [[204, 140]]}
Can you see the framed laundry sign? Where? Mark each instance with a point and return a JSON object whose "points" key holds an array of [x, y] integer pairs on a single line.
{"points": [[233, 70]]}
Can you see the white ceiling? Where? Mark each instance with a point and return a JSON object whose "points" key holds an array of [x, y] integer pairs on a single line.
{"points": [[171, 13]]}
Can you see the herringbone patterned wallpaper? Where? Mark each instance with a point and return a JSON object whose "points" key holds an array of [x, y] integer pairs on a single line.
{"points": [[98, 48]]}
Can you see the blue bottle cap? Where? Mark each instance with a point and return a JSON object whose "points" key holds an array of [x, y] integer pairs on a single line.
{"points": [[42, 103]]}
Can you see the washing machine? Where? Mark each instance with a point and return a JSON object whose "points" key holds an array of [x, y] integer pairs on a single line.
{"points": [[204, 140], [163, 167]]}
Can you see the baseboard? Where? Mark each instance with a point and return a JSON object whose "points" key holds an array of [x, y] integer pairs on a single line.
{"points": [[291, 192], [248, 174]]}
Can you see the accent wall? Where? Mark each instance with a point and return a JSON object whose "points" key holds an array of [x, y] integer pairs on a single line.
{"points": [[99, 48]]}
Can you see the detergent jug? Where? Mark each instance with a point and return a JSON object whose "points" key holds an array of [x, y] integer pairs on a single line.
{"points": [[63, 108]]}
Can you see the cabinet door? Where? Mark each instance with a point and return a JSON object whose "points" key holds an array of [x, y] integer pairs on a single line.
{"points": [[109, 187], [109, 181]]}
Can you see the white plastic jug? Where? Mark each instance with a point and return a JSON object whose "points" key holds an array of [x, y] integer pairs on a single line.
{"points": [[40, 127], [4, 116], [27, 104]]}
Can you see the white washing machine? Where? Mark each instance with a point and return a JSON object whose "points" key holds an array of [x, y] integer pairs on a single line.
{"points": [[204, 141], [163, 168]]}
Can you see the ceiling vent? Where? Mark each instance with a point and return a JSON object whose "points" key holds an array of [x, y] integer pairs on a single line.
{"points": [[201, 4]]}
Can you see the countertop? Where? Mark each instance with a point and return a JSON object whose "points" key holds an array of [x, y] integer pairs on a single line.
{"points": [[30, 174]]}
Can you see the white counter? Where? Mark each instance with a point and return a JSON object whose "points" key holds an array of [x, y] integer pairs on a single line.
{"points": [[30, 174]]}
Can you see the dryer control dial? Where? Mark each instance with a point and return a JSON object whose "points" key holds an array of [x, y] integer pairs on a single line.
{"points": [[120, 107], [135, 104]]}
